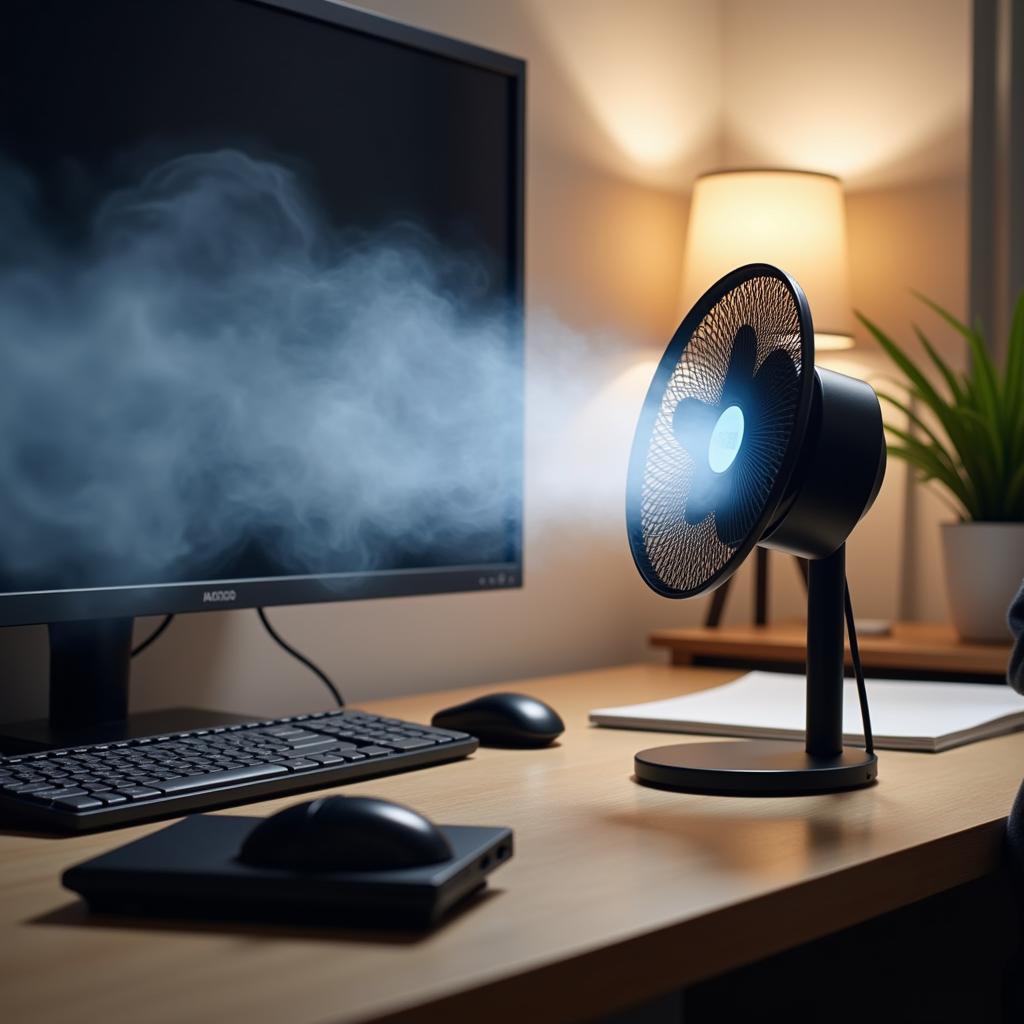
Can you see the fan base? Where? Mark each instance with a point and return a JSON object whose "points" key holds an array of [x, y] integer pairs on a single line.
{"points": [[754, 768]]}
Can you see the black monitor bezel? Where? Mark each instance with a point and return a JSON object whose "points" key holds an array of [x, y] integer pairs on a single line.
{"points": [[194, 596]]}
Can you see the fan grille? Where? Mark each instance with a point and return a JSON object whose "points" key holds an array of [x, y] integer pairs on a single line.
{"points": [[686, 549]]}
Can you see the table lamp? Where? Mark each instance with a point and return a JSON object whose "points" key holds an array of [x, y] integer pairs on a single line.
{"points": [[792, 219]]}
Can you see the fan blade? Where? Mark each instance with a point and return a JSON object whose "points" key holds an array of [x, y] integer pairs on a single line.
{"points": [[737, 513], [775, 390], [692, 423], [705, 497], [777, 371], [741, 364]]}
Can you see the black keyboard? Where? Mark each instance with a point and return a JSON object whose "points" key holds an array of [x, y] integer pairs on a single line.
{"points": [[83, 788]]}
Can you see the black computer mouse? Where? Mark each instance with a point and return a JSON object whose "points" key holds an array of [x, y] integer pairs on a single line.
{"points": [[504, 720], [345, 833]]}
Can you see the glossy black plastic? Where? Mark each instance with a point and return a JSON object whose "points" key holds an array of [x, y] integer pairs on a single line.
{"points": [[754, 768], [839, 472], [191, 870], [504, 720], [340, 833]]}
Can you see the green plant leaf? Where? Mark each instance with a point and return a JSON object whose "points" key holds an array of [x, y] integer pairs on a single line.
{"points": [[963, 435], [926, 459], [1015, 496], [921, 386], [983, 370], [982, 418], [988, 451], [1013, 387], [912, 457], [914, 418], [943, 367]]}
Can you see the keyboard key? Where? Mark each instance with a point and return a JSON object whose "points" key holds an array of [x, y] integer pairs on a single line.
{"points": [[410, 744], [77, 803], [375, 751], [304, 747], [109, 799], [329, 758], [137, 792], [211, 779], [297, 764], [57, 794]]}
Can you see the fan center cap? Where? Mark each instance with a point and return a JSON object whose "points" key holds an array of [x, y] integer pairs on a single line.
{"points": [[726, 438]]}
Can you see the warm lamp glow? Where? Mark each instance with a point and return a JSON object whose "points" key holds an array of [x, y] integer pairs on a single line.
{"points": [[795, 220]]}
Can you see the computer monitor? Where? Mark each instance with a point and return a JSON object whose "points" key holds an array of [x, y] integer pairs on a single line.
{"points": [[261, 281]]}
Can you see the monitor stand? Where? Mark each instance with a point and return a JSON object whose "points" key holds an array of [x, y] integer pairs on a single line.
{"points": [[90, 667]]}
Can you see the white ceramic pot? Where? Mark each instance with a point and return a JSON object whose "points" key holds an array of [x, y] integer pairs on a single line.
{"points": [[984, 569]]}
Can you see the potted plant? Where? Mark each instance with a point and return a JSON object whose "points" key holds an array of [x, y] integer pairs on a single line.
{"points": [[965, 432]]}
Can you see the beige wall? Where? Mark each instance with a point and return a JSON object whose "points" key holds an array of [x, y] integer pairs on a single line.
{"points": [[626, 103], [877, 93]]}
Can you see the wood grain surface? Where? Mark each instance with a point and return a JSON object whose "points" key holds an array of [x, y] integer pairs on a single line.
{"points": [[616, 893], [925, 648]]}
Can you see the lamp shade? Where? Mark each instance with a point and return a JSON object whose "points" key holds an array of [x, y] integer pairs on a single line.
{"points": [[792, 219]]}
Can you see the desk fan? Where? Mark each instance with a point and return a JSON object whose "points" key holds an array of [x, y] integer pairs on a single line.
{"points": [[743, 441]]}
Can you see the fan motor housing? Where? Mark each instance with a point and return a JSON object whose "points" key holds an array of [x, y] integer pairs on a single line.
{"points": [[839, 470]]}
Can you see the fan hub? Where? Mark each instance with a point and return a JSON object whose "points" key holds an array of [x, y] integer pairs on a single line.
{"points": [[726, 438]]}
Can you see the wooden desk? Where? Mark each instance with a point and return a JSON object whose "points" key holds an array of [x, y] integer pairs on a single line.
{"points": [[926, 649], [617, 893]]}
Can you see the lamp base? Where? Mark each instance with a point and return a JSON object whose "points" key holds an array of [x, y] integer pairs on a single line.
{"points": [[754, 768]]}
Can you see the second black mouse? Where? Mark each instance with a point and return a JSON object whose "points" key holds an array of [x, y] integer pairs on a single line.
{"points": [[345, 833], [504, 720]]}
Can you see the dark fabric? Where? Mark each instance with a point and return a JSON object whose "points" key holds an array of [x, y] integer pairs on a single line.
{"points": [[1013, 979], [1015, 842], [1013, 972], [1015, 673]]}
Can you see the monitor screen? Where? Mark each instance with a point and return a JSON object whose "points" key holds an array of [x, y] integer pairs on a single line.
{"points": [[260, 287]]}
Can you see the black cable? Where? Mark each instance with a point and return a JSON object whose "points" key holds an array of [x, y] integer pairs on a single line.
{"points": [[155, 635], [858, 671], [301, 657]]}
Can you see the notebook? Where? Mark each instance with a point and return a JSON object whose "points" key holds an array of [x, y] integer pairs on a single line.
{"points": [[905, 715]]}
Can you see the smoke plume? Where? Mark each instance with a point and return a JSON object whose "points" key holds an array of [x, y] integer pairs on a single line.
{"points": [[242, 370]]}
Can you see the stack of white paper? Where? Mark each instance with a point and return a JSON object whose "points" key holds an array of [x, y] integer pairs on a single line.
{"points": [[771, 705]]}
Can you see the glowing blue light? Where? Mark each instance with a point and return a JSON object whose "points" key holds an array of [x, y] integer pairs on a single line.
{"points": [[726, 438]]}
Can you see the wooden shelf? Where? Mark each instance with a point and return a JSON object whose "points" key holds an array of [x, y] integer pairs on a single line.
{"points": [[925, 649]]}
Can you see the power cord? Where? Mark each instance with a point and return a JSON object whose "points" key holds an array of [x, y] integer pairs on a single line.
{"points": [[155, 635], [301, 657], [858, 671], [168, 619]]}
